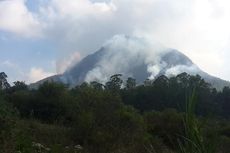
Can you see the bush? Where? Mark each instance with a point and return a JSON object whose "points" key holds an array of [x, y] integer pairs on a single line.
{"points": [[104, 124], [51, 103], [8, 116], [166, 125]]}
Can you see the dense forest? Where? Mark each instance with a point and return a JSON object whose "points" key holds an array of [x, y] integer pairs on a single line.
{"points": [[180, 114]]}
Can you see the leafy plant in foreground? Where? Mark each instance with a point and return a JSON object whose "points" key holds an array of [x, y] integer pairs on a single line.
{"points": [[194, 140]]}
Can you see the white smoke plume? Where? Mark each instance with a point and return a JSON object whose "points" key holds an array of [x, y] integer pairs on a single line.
{"points": [[193, 69], [123, 53], [199, 28]]}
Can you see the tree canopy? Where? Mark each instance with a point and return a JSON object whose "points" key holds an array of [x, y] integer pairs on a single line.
{"points": [[115, 117]]}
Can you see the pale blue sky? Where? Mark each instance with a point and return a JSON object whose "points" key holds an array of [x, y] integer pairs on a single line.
{"points": [[18, 55], [39, 38]]}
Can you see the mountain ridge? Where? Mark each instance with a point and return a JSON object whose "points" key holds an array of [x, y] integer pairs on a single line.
{"points": [[131, 57]]}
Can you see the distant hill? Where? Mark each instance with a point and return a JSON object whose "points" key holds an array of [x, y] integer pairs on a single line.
{"points": [[131, 57]]}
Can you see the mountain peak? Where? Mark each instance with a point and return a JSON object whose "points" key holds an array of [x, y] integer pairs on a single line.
{"points": [[132, 57]]}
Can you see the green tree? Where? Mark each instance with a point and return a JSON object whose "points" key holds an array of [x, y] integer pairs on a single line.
{"points": [[225, 102], [166, 125], [49, 103], [114, 83], [8, 117], [3, 81], [103, 124], [130, 83], [96, 85], [18, 86], [147, 82]]}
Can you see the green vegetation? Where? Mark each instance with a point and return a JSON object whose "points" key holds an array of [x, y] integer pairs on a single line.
{"points": [[117, 117], [195, 141]]}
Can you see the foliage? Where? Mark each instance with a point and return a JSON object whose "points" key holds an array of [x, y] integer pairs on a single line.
{"points": [[3, 81], [194, 140], [49, 103], [114, 84], [8, 116], [166, 125], [130, 83], [116, 117], [103, 123]]}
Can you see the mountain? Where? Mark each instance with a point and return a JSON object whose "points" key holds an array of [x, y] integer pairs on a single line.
{"points": [[131, 57]]}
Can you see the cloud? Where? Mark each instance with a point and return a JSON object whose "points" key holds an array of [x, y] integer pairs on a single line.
{"points": [[37, 74], [17, 73], [79, 24], [13, 71], [16, 18], [198, 28]]}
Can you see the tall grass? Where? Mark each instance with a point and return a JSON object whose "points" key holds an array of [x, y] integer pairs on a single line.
{"points": [[194, 140]]}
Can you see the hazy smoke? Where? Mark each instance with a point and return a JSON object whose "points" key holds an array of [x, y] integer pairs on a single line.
{"points": [[66, 63], [193, 69], [124, 53]]}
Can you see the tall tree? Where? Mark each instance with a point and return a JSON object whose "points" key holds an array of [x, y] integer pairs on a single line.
{"points": [[115, 82], [18, 86], [130, 83], [3, 81], [96, 85]]}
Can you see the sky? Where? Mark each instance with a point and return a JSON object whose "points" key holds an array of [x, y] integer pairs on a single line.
{"points": [[40, 38]]}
